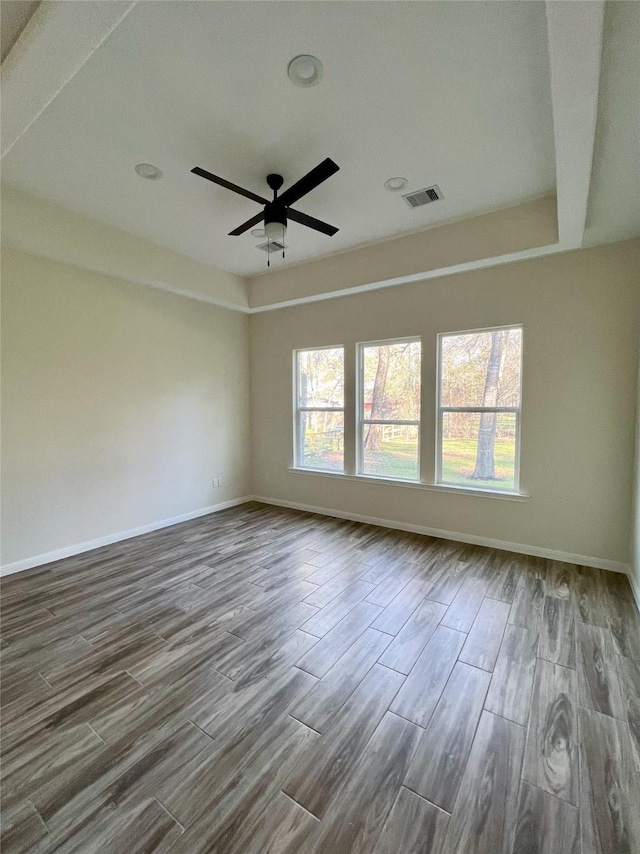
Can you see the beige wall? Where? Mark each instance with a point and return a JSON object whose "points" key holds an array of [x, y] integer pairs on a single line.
{"points": [[580, 317], [46, 230], [503, 232], [119, 405]]}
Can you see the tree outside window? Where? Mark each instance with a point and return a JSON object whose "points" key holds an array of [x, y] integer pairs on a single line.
{"points": [[320, 409], [479, 408], [390, 409]]}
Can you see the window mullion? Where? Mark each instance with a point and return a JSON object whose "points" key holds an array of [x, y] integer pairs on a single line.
{"points": [[318, 409], [350, 428], [480, 409], [383, 421]]}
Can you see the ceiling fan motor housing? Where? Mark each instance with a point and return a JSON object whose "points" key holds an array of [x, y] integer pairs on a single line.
{"points": [[275, 212]]}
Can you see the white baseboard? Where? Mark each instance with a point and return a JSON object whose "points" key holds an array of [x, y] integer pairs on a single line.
{"points": [[70, 551], [536, 551], [566, 557]]}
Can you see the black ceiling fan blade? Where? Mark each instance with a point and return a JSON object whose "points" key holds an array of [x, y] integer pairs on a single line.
{"points": [[247, 225], [234, 187], [311, 222], [311, 180]]}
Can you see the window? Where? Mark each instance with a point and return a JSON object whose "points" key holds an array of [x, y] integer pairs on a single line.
{"points": [[389, 409], [319, 396], [479, 408]]}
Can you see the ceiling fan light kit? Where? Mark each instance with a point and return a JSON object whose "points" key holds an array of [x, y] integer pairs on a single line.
{"points": [[275, 229], [277, 212]]}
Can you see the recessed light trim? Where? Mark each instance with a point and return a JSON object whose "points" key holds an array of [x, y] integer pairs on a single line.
{"points": [[258, 232], [394, 185], [148, 171], [305, 70]]}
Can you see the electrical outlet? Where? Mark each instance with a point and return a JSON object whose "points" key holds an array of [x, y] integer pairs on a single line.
{"points": [[216, 482]]}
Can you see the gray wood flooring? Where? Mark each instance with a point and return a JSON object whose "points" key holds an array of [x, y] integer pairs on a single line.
{"points": [[264, 680]]}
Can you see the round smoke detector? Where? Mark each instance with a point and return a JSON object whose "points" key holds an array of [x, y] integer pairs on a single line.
{"points": [[394, 185], [148, 171], [305, 70], [258, 232]]}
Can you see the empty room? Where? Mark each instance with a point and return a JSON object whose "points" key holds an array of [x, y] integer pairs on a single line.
{"points": [[320, 427]]}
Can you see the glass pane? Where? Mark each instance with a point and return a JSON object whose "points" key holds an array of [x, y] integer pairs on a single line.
{"points": [[321, 438], [481, 368], [392, 381], [390, 450], [479, 449], [321, 377]]}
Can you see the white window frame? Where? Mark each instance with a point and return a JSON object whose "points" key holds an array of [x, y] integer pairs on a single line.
{"points": [[297, 409], [362, 422], [440, 410]]}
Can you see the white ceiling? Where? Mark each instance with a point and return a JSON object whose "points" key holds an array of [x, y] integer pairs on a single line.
{"points": [[614, 202], [14, 15], [452, 93]]}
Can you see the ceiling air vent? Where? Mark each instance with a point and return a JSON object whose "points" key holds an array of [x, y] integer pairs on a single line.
{"points": [[423, 197], [271, 246]]}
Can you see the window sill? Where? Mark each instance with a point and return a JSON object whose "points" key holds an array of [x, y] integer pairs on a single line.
{"points": [[413, 484]]}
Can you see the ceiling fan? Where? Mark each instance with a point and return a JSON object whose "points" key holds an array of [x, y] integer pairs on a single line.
{"points": [[277, 212]]}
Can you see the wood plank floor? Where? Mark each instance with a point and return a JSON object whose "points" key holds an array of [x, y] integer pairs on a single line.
{"points": [[265, 680]]}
